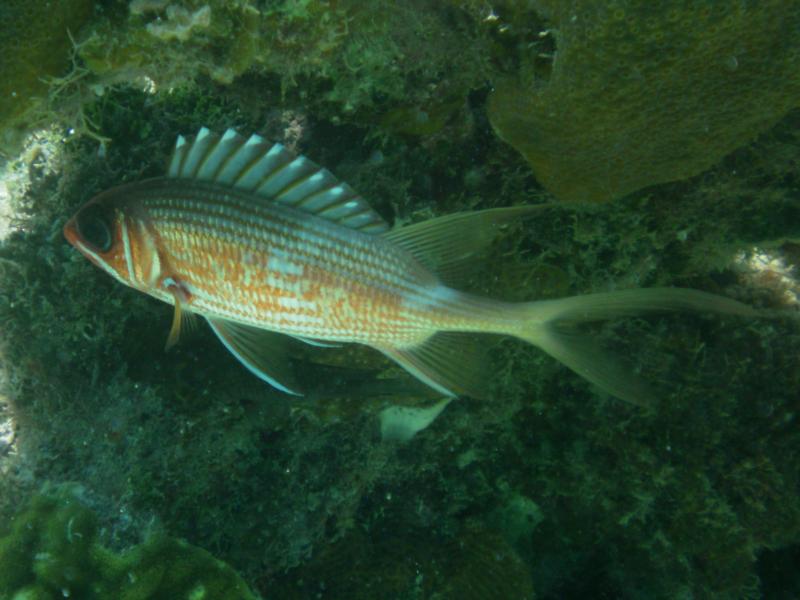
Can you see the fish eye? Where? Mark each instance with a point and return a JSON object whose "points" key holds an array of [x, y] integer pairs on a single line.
{"points": [[94, 226]]}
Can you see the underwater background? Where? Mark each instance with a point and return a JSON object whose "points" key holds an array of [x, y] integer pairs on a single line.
{"points": [[664, 137]]}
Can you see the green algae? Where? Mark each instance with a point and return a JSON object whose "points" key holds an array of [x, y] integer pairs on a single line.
{"points": [[51, 551], [35, 44], [351, 61]]}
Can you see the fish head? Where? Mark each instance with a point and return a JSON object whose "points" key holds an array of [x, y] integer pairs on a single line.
{"points": [[108, 230]]}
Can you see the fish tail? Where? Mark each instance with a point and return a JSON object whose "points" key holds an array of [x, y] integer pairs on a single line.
{"points": [[550, 325]]}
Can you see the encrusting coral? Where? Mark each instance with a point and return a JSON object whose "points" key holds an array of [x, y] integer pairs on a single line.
{"points": [[642, 92]]}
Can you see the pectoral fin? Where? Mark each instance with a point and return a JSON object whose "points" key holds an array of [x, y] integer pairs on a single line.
{"points": [[182, 319], [262, 352]]}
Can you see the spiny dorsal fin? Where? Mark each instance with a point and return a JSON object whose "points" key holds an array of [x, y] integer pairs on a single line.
{"points": [[274, 173]]}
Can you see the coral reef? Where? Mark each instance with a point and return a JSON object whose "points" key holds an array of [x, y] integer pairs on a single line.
{"points": [[574, 494], [642, 92], [266, 482], [51, 551]]}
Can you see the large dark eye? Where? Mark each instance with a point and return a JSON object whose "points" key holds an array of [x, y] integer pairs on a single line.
{"points": [[94, 225]]}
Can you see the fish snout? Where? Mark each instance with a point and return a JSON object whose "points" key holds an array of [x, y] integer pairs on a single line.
{"points": [[70, 231]]}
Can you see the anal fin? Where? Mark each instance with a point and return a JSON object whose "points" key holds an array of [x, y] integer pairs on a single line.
{"points": [[262, 352], [315, 342], [452, 363]]}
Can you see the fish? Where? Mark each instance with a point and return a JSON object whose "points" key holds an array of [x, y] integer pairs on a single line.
{"points": [[267, 246]]}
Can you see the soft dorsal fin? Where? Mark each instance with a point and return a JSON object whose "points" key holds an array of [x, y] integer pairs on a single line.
{"points": [[272, 172], [447, 245]]}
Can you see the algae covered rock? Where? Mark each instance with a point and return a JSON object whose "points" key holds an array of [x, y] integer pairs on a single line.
{"points": [[51, 552], [349, 54], [475, 564], [642, 92], [349, 59]]}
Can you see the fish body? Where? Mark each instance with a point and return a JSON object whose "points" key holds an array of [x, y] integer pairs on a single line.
{"points": [[275, 267], [264, 244]]}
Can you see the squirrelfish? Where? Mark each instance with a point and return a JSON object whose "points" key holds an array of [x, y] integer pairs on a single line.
{"points": [[264, 244]]}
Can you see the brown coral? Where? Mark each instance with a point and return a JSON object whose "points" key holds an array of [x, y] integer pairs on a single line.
{"points": [[645, 92]]}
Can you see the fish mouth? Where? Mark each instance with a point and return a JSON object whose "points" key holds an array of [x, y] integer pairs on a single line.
{"points": [[70, 231], [73, 237]]}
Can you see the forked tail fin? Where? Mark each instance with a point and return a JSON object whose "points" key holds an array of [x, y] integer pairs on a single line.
{"points": [[550, 325]]}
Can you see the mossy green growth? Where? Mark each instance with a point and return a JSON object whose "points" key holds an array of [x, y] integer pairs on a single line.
{"points": [[349, 59], [51, 551], [346, 62], [34, 45]]}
